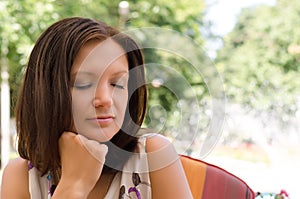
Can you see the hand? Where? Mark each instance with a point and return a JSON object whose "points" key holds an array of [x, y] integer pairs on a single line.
{"points": [[82, 161]]}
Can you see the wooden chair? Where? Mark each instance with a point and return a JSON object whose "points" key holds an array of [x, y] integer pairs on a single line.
{"points": [[208, 181]]}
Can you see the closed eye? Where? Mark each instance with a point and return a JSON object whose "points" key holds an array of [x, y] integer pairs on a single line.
{"points": [[118, 86], [82, 86]]}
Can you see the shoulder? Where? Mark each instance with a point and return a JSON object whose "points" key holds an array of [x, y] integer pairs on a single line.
{"points": [[165, 169], [160, 152], [16, 167], [156, 142], [15, 180]]}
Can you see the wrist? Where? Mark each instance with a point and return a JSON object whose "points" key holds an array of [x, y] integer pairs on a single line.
{"points": [[75, 190]]}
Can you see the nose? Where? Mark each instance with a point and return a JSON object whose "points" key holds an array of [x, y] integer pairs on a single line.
{"points": [[103, 96]]}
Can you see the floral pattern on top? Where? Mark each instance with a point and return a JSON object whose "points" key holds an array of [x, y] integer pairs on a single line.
{"points": [[133, 192]]}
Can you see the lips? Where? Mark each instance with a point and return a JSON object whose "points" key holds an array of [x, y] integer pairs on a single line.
{"points": [[103, 120]]}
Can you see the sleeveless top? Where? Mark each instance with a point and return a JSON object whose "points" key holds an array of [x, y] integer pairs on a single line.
{"points": [[132, 182]]}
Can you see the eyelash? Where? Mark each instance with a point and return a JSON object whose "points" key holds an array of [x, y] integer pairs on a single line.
{"points": [[118, 86], [82, 87]]}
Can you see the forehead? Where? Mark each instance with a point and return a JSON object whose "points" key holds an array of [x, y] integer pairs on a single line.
{"points": [[97, 56]]}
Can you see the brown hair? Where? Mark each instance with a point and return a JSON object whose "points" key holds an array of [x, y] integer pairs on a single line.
{"points": [[44, 109]]}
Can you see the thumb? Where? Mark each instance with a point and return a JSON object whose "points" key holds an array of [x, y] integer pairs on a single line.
{"points": [[96, 149]]}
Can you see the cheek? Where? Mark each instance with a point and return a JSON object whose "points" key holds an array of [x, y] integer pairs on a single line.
{"points": [[120, 101], [80, 102], [80, 105]]}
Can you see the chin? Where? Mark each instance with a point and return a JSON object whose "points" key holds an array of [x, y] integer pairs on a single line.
{"points": [[102, 136]]}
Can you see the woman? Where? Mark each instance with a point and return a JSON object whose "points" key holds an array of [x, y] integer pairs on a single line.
{"points": [[81, 105]]}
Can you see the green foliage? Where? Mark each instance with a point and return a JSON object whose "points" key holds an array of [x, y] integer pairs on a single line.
{"points": [[260, 60], [21, 23], [104, 10], [184, 16]]}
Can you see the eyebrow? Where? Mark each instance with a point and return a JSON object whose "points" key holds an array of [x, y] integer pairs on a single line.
{"points": [[93, 74], [73, 75], [120, 72]]}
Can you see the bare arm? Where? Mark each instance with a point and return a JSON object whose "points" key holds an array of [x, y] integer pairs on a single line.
{"points": [[167, 176], [82, 162], [15, 180]]}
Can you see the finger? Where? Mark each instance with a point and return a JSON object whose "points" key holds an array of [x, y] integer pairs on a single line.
{"points": [[96, 149], [65, 138]]}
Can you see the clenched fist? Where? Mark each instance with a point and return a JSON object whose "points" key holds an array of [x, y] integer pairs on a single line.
{"points": [[82, 161]]}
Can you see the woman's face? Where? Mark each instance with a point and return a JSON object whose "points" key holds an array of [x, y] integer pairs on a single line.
{"points": [[99, 79]]}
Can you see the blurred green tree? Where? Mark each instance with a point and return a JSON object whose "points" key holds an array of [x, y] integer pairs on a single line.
{"points": [[260, 60], [21, 23]]}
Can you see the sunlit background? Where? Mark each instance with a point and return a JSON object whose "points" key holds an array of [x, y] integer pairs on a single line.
{"points": [[253, 44], [258, 55]]}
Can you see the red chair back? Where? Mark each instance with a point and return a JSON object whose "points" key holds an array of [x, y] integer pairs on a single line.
{"points": [[208, 181]]}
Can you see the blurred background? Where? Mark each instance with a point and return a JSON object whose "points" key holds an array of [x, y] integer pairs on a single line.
{"points": [[253, 44]]}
